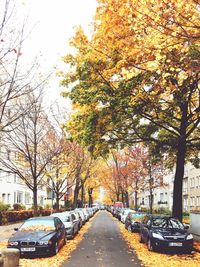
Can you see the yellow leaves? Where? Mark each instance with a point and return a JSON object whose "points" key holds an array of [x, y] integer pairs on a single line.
{"points": [[156, 259]]}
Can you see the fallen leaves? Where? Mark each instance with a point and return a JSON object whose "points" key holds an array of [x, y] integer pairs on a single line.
{"points": [[41, 227], [61, 256], [155, 259]]}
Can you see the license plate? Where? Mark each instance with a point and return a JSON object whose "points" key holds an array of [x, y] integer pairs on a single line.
{"points": [[27, 249], [174, 244]]}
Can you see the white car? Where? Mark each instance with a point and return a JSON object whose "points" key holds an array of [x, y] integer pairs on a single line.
{"points": [[124, 214]]}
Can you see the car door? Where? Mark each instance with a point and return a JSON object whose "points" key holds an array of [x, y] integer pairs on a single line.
{"points": [[75, 223], [60, 231], [128, 220], [144, 228]]}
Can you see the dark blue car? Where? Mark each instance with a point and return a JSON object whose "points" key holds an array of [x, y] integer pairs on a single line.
{"points": [[164, 232], [39, 236]]}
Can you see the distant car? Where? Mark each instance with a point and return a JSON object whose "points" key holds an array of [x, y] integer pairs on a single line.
{"points": [[133, 221], [39, 236], [124, 214], [164, 232]]}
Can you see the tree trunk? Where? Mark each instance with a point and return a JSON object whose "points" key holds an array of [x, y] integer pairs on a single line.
{"points": [[117, 195], [90, 190], [123, 198], [177, 209], [127, 199], [57, 203], [136, 204], [82, 195], [76, 193], [35, 208], [151, 195]]}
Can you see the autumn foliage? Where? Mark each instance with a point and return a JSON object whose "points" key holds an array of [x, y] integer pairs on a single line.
{"points": [[137, 79]]}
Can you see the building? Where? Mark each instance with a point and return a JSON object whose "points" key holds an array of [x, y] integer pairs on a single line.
{"points": [[163, 195], [13, 190]]}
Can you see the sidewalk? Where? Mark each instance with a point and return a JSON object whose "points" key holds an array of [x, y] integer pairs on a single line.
{"points": [[7, 230]]}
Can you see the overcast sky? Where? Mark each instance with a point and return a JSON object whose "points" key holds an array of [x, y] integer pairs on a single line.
{"points": [[54, 22]]}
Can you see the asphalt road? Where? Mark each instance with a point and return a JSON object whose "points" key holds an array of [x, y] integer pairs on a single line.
{"points": [[103, 246], [7, 230]]}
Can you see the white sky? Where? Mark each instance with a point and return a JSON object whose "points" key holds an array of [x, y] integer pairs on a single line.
{"points": [[54, 22]]}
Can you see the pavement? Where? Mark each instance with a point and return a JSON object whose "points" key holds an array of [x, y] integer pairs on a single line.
{"points": [[7, 230], [103, 246]]}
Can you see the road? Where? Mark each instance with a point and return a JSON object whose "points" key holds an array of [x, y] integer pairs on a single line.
{"points": [[7, 230], [103, 246]]}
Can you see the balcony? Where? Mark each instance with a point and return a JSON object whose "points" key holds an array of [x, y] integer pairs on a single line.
{"points": [[185, 191]]}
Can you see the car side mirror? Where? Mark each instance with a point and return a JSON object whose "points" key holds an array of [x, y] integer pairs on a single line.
{"points": [[186, 227], [16, 229]]}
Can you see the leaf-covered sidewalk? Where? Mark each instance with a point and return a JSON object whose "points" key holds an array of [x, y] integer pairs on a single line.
{"points": [[156, 259]]}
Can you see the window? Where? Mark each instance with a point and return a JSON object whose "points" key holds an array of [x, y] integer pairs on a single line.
{"points": [[27, 198], [18, 197], [8, 198], [41, 200], [4, 198]]}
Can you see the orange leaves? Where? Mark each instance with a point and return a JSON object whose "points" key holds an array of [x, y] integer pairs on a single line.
{"points": [[156, 259], [38, 228]]}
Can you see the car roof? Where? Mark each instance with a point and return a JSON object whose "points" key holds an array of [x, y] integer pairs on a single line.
{"points": [[42, 218]]}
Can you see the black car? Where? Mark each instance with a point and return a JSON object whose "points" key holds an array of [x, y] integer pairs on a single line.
{"points": [[164, 232], [39, 236], [133, 221]]}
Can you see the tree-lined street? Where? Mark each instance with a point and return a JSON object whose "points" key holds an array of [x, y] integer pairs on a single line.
{"points": [[103, 246]]}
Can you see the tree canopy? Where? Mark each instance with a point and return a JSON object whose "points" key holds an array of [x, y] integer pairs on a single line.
{"points": [[137, 79]]}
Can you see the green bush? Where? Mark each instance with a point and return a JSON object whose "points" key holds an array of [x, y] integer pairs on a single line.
{"points": [[4, 207]]}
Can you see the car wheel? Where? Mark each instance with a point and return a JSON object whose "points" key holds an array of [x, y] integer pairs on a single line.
{"points": [[129, 229], [141, 239], [149, 245], [55, 251], [65, 240], [72, 235]]}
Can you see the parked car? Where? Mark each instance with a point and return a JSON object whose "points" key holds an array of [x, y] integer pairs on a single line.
{"points": [[164, 232], [75, 220], [124, 214], [81, 216], [39, 236], [133, 221], [70, 225]]}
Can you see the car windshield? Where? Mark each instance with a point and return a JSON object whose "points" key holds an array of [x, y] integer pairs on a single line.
{"points": [[137, 217], [167, 223], [64, 218], [38, 225]]}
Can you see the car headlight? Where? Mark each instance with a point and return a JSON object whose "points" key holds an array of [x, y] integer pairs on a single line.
{"points": [[158, 236], [13, 243], [189, 237], [42, 243]]}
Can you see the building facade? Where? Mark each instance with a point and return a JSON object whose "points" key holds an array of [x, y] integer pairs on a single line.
{"points": [[163, 195]]}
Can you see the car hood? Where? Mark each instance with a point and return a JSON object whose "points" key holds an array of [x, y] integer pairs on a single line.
{"points": [[171, 232], [32, 236], [68, 224]]}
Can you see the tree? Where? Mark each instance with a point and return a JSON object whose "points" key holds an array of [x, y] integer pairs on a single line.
{"points": [[31, 145], [59, 174], [16, 79], [137, 79]]}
